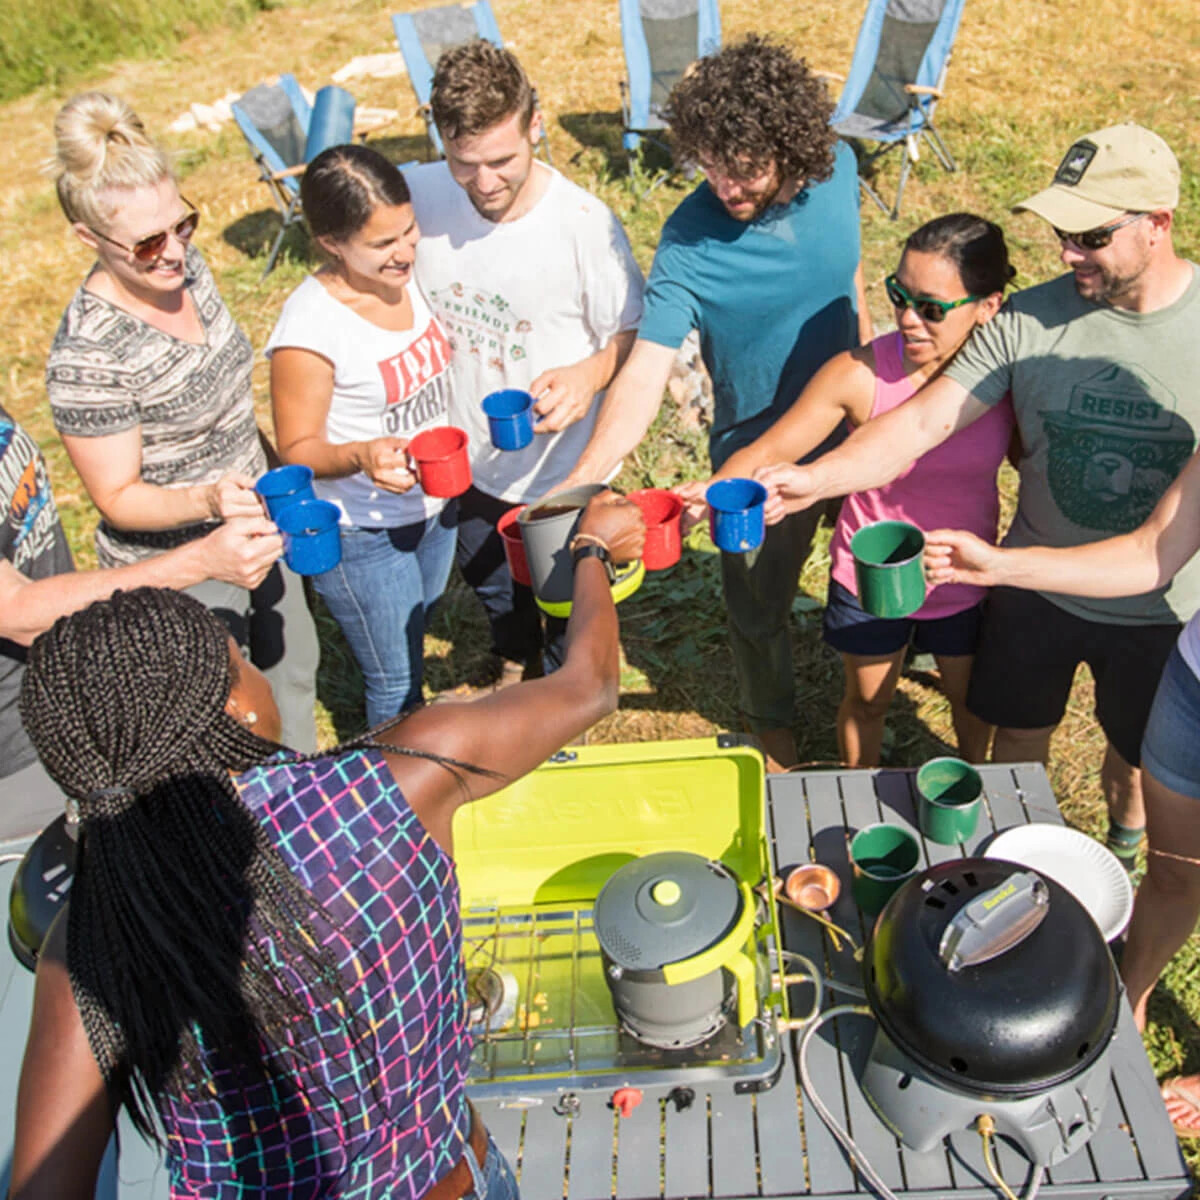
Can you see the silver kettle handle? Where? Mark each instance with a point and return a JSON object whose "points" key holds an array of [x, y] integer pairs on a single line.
{"points": [[992, 923]]}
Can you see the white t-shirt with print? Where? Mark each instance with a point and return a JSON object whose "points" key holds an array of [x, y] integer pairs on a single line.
{"points": [[385, 384], [517, 298]]}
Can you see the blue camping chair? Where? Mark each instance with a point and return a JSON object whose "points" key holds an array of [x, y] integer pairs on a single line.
{"points": [[285, 133], [896, 79], [425, 34], [662, 38]]}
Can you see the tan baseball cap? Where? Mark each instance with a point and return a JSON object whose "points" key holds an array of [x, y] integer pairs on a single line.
{"points": [[1124, 168]]}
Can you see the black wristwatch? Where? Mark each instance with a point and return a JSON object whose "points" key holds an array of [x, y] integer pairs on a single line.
{"points": [[592, 550]]}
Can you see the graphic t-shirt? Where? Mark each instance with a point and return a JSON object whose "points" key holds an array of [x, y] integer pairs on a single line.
{"points": [[1108, 405], [773, 299], [517, 298], [32, 539], [385, 384], [109, 372]]}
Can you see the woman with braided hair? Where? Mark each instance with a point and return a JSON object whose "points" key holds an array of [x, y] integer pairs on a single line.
{"points": [[261, 956]]}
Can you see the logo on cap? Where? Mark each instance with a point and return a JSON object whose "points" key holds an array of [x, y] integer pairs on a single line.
{"points": [[1072, 168]]}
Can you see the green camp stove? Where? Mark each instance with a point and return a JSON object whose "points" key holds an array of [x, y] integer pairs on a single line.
{"points": [[532, 860]]}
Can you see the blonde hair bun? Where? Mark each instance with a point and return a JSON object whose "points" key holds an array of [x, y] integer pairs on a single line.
{"points": [[100, 143]]}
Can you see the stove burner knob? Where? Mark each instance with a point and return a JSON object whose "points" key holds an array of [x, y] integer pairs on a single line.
{"points": [[682, 1097], [626, 1099]]}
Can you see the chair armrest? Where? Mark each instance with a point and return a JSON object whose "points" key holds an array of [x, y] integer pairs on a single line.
{"points": [[916, 89], [830, 75], [291, 172]]}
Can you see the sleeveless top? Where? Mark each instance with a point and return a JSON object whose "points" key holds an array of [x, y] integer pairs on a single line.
{"points": [[953, 486], [388, 1118]]}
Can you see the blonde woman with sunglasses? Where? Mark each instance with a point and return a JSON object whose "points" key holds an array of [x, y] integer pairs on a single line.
{"points": [[950, 279], [149, 385]]}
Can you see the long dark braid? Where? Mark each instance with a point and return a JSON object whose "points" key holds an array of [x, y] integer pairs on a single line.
{"points": [[178, 891]]}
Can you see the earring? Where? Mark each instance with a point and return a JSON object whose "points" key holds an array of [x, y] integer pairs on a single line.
{"points": [[247, 718], [251, 718]]}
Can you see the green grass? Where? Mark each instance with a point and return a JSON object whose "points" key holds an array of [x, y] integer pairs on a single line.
{"points": [[60, 43]]}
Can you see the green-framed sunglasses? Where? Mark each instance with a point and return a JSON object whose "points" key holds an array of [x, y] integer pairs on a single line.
{"points": [[926, 307]]}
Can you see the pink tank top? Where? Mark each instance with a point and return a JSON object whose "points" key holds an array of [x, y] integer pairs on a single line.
{"points": [[951, 487]]}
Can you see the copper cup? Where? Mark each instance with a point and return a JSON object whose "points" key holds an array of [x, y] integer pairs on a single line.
{"points": [[812, 887]]}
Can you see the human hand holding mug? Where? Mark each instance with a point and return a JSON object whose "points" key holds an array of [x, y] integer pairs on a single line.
{"points": [[618, 523], [385, 462], [956, 556]]}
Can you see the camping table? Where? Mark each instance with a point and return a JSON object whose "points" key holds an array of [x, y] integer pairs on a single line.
{"points": [[771, 1144]]}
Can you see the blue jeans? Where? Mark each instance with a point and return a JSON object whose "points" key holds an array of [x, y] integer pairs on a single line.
{"points": [[381, 594], [495, 1179]]}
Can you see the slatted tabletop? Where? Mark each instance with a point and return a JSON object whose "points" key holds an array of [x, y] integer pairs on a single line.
{"points": [[725, 1144], [773, 1144]]}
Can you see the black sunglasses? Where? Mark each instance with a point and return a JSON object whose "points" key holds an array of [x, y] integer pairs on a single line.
{"points": [[1096, 239], [150, 249], [926, 307]]}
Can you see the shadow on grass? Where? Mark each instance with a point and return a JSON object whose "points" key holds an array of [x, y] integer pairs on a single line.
{"points": [[601, 131], [254, 234]]}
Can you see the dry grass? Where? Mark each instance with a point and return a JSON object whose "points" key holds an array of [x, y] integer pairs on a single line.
{"points": [[1026, 79]]}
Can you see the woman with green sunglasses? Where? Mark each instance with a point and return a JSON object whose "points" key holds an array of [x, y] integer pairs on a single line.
{"points": [[951, 278]]}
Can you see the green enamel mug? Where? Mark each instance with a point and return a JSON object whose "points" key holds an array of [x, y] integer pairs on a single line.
{"points": [[949, 797], [888, 568]]}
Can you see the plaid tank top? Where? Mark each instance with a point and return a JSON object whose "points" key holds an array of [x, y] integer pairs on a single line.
{"points": [[324, 1128]]}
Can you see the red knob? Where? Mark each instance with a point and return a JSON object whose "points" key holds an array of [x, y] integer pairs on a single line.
{"points": [[626, 1099]]}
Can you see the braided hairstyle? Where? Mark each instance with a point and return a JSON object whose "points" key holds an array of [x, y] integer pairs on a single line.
{"points": [[183, 919]]}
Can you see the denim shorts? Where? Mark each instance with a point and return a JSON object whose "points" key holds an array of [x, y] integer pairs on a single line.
{"points": [[849, 629], [1171, 748]]}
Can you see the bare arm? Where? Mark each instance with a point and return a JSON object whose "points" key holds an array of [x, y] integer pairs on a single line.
{"points": [[564, 394], [844, 388], [111, 470], [301, 393], [64, 1119], [875, 453], [628, 409], [1127, 565], [537, 717], [240, 552]]}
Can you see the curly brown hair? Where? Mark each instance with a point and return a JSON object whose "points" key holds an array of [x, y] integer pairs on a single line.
{"points": [[752, 105], [477, 85]]}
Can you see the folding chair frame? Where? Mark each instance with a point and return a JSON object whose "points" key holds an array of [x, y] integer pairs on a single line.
{"points": [[636, 89], [280, 178], [922, 98]]}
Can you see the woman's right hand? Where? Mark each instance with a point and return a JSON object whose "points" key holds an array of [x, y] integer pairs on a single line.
{"points": [[789, 489], [618, 523], [385, 462], [233, 495], [956, 556]]}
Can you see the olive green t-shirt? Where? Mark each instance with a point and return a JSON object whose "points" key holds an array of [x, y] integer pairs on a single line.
{"points": [[1108, 406]]}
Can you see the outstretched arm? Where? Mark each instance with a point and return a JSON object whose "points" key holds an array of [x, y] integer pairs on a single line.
{"points": [[1127, 565], [514, 730], [628, 409], [875, 453], [842, 389], [240, 552]]}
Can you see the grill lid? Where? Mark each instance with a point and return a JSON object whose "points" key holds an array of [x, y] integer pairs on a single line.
{"points": [[1033, 1014], [665, 908]]}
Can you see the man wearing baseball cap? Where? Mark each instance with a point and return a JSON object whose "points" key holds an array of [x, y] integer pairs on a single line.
{"points": [[1103, 364]]}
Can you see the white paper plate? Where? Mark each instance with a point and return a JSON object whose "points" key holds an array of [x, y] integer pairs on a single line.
{"points": [[1081, 864]]}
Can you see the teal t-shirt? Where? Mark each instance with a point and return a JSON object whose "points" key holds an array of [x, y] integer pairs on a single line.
{"points": [[773, 299], [1108, 405]]}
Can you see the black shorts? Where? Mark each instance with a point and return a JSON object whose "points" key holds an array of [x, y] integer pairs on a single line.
{"points": [[1025, 665], [849, 629]]}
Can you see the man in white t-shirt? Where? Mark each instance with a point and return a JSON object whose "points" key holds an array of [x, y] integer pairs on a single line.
{"points": [[537, 288]]}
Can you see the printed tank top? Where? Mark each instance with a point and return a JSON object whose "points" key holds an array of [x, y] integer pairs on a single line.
{"points": [[326, 1128]]}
